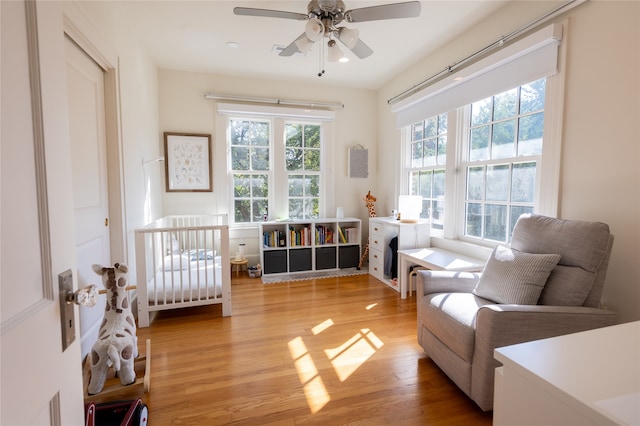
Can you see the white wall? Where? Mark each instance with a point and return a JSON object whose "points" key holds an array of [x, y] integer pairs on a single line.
{"points": [[600, 177], [601, 148], [183, 108], [143, 180]]}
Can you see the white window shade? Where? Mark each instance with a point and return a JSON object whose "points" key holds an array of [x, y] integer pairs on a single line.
{"points": [[529, 59]]}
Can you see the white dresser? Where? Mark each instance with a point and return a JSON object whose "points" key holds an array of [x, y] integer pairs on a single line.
{"points": [[382, 230], [588, 378]]}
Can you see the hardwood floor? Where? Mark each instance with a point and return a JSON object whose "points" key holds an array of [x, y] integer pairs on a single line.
{"points": [[333, 351]]}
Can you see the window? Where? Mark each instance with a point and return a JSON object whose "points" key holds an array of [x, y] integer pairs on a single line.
{"points": [[302, 158], [496, 165], [501, 141], [501, 161], [428, 151], [250, 148], [275, 166]]}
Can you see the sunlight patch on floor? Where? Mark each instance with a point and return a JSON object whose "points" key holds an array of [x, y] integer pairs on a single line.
{"points": [[345, 360], [314, 390], [348, 357], [316, 394], [322, 327]]}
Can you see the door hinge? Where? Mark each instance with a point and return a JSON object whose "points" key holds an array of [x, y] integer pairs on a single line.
{"points": [[106, 221]]}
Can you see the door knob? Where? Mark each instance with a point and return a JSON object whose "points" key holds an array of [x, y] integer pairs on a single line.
{"points": [[85, 296]]}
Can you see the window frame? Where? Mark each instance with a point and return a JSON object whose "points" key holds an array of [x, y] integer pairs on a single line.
{"points": [[407, 155], [465, 163], [304, 172], [277, 199], [231, 172]]}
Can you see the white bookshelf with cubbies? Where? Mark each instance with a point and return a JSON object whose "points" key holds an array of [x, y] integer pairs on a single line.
{"points": [[296, 246]]}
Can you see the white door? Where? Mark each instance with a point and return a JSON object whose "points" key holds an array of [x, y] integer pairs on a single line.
{"points": [[41, 383], [85, 87]]}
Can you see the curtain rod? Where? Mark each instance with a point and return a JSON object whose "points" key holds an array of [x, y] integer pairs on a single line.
{"points": [[498, 43], [307, 104]]}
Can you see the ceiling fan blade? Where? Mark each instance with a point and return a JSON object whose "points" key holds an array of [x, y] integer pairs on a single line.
{"points": [[291, 49], [409, 9], [361, 50], [267, 13]]}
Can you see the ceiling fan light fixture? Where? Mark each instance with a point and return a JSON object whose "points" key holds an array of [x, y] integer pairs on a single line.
{"points": [[314, 29], [334, 53], [322, 20], [349, 36]]}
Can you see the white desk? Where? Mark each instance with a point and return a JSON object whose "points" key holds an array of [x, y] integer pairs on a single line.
{"points": [[381, 231], [588, 378], [433, 258]]}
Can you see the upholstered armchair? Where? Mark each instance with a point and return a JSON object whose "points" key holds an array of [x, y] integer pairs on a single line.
{"points": [[547, 283]]}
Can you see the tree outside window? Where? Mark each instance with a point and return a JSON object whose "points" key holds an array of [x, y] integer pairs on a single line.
{"points": [[505, 147], [303, 165], [250, 142], [275, 166]]}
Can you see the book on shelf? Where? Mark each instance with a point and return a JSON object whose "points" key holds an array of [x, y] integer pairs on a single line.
{"points": [[300, 236], [273, 238], [342, 237], [318, 234], [324, 235], [348, 235]]}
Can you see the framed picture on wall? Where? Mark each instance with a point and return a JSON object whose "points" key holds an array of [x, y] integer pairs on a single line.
{"points": [[188, 162]]}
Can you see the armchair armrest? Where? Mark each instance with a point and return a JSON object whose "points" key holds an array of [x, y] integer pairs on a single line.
{"points": [[445, 282], [504, 325]]}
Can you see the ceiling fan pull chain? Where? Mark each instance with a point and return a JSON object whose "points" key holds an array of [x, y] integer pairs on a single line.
{"points": [[321, 61]]}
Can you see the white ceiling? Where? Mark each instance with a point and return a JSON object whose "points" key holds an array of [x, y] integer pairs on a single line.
{"points": [[192, 36]]}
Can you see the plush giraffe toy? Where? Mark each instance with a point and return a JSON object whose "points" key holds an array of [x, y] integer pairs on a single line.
{"points": [[369, 201], [117, 342]]}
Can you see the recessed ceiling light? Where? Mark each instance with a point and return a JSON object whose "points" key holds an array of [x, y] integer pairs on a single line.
{"points": [[233, 44], [343, 59]]}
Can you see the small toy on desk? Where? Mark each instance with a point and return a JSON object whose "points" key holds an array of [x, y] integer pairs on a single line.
{"points": [[117, 342]]}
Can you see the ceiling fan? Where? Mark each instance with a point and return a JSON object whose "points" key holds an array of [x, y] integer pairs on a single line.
{"points": [[323, 18]]}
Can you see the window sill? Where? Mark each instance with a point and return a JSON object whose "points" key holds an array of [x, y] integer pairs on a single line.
{"points": [[464, 248]]}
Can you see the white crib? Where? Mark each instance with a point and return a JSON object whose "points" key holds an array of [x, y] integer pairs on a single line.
{"points": [[182, 261]]}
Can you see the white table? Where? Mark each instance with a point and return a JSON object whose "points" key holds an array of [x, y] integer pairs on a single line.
{"points": [[588, 378], [433, 258]]}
